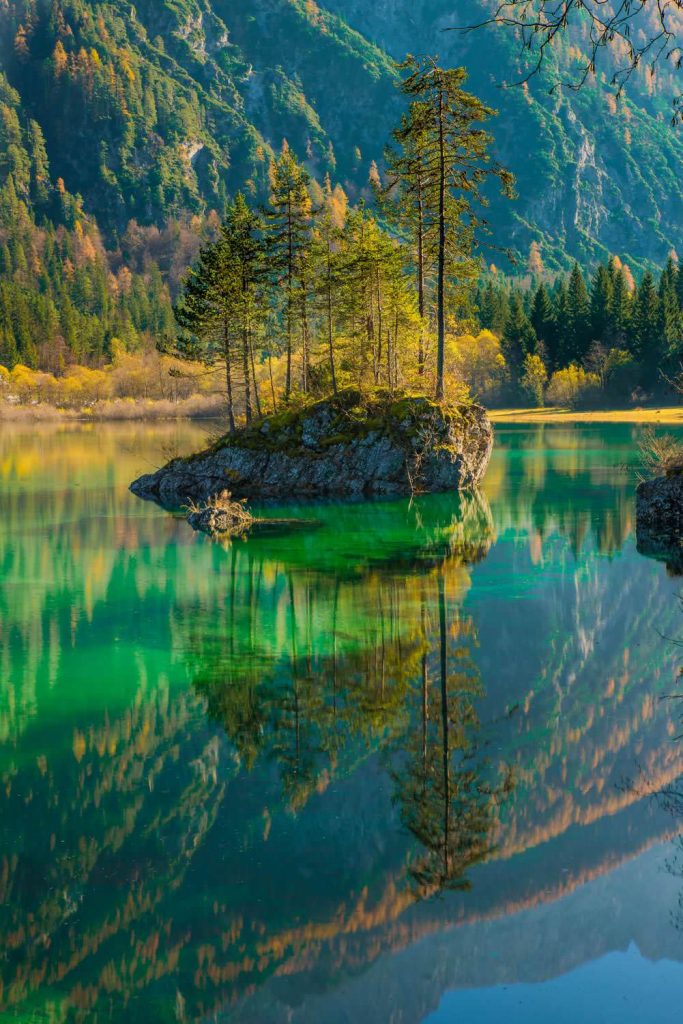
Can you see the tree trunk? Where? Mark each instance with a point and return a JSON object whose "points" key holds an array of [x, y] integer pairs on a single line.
{"points": [[246, 372], [420, 281], [441, 280], [445, 729], [272, 382], [304, 338], [330, 338], [228, 377], [257, 397], [290, 300]]}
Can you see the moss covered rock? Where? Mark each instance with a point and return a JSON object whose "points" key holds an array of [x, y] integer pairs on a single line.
{"points": [[351, 444]]}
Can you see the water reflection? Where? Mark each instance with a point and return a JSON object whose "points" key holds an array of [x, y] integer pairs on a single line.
{"points": [[231, 778]]}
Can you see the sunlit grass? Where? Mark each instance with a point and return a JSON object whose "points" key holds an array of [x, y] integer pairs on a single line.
{"points": [[664, 414]]}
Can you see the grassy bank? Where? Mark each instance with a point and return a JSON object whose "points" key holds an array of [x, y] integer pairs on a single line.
{"points": [[117, 410], [664, 414]]}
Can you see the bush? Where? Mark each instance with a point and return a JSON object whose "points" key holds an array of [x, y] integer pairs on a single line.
{"points": [[534, 379], [479, 362], [573, 388], [660, 454]]}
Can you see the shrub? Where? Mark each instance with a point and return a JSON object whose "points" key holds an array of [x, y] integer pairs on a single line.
{"points": [[573, 387], [534, 379]]}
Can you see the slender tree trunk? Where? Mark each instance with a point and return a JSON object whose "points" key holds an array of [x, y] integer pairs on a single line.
{"points": [[257, 397], [304, 338], [228, 377], [378, 360], [290, 300], [246, 372], [272, 382], [330, 337], [420, 280], [441, 279]]}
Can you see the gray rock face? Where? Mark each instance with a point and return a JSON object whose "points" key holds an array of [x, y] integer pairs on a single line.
{"points": [[659, 520], [337, 447]]}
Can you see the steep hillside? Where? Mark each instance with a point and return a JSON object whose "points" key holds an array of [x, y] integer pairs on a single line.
{"points": [[125, 126], [164, 106], [594, 176]]}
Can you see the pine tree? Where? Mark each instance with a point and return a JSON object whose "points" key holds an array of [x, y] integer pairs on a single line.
{"points": [[542, 318], [242, 267], [670, 316], [646, 327], [205, 314], [408, 189], [621, 309], [289, 220], [443, 131], [601, 296], [327, 237]]}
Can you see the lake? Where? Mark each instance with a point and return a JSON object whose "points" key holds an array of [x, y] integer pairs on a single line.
{"points": [[408, 761]]}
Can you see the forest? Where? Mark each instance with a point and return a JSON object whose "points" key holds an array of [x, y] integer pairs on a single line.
{"points": [[328, 271]]}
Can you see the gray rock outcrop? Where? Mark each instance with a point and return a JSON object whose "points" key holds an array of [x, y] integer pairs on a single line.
{"points": [[659, 520], [348, 445]]}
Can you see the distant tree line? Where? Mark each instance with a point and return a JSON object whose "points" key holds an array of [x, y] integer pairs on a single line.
{"points": [[614, 336]]}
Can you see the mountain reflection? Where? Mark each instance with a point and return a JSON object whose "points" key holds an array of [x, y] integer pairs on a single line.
{"points": [[228, 770]]}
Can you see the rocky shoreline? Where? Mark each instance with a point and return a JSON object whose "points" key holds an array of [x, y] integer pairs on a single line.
{"points": [[349, 445], [659, 520]]}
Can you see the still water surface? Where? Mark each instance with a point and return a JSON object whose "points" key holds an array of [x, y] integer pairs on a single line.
{"points": [[408, 762]]}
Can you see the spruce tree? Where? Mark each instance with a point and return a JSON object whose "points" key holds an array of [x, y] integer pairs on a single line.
{"points": [[601, 295], [519, 338], [542, 319], [647, 328], [578, 326]]}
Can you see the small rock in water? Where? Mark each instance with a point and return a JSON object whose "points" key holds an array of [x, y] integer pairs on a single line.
{"points": [[220, 516]]}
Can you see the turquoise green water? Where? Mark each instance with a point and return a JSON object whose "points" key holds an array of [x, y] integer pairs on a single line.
{"points": [[409, 761]]}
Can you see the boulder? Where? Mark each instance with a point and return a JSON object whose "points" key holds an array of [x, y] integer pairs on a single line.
{"points": [[659, 520], [349, 445]]}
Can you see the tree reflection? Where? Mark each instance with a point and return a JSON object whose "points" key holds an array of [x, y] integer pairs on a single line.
{"points": [[405, 683], [446, 802]]}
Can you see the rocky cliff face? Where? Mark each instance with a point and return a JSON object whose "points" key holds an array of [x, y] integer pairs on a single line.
{"points": [[349, 445]]}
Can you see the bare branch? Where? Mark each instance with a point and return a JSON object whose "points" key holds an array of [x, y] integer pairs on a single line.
{"points": [[650, 32]]}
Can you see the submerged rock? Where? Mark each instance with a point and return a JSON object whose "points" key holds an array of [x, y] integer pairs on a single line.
{"points": [[348, 445], [659, 520], [220, 516]]}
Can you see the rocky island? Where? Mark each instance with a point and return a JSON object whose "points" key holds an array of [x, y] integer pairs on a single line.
{"points": [[349, 445]]}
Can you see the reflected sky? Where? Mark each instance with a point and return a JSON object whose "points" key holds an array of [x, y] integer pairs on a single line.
{"points": [[385, 766]]}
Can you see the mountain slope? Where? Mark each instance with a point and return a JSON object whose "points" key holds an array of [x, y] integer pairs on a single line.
{"points": [[160, 108], [165, 106], [594, 176]]}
